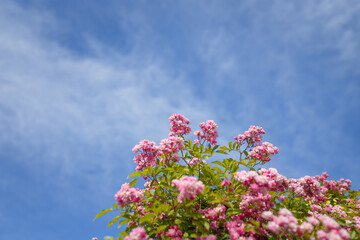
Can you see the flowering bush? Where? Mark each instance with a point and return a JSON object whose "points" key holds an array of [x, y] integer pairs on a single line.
{"points": [[188, 197]]}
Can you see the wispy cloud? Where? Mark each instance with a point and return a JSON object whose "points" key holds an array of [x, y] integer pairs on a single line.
{"points": [[59, 104]]}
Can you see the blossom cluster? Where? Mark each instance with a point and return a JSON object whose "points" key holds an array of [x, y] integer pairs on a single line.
{"points": [[194, 161], [210, 237], [149, 153], [170, 146], [209, 132], [137, 234], [307, 187], [179, 125], [127, 194], [174, 233], [188, 187], [263, 152], [252, 136], [286, 223]]}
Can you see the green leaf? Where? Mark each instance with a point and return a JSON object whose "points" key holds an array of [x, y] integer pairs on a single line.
{"points": [[161, 228], [123, 234], [246, 153], [115, 206], [135, 174], [103, 212], [217, 169], [352, 235], [147, 218], [122, 222], [133, 182], [112, 221], [207, 225], [108, 238], [218, 163], [251, 163], [222, 152]]}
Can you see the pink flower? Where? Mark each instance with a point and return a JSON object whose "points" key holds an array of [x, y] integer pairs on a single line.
{"points": [[321, 234], [127, 194], [172, 144], [272, 226], [174, 232], [94, 238], [313, 221], [210, 237], [209, 132], [263, 152], [252, 136], [195, 161], [137, 234], [214, 225], [148, 155], [226, 182], [329, 222], [267, 215], [306, 227], [189, 187], [344, 234], [179, 125]]}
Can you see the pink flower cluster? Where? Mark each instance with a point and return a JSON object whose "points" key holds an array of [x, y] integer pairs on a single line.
{"points": [[307, 187], [357, 222], [210, 237], [263, 152], [194, 161], [209, 132], [332, 231], [268, 180], [252, 136], [149, 153], [170, 146], [189, 187], [174, 233], [137, 234], [258, 197], [215, 215], [285, 223], [179, 125], [127, 194], [236, 229], [226, 182], [335, 211]]}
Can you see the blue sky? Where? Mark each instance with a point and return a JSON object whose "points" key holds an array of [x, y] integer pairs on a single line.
{"points": [[82, 82]]}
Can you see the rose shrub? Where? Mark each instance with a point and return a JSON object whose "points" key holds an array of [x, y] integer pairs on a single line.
{"points": [[187, 196]]}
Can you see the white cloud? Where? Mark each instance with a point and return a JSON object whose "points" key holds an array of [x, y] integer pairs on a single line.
{"points": [[59, 104]]}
